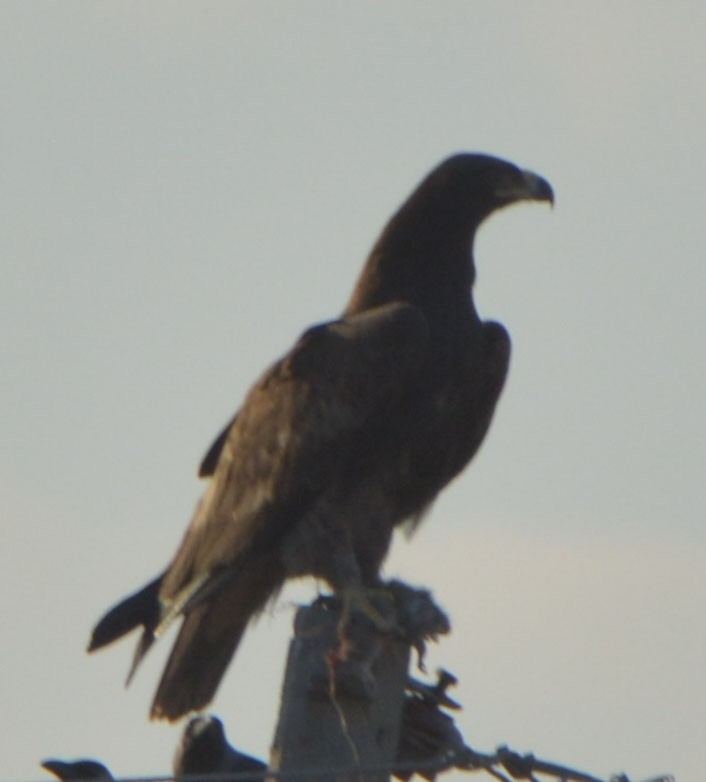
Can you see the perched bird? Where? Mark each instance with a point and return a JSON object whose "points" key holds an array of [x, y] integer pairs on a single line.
{"points": [[353, 432], [77, 770], [205, 750]]}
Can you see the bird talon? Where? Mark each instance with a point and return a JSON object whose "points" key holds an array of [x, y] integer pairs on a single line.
{"points": [[375, 604]]}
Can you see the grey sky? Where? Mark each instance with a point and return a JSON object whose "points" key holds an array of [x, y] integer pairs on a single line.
{"points": [[186, 186]]}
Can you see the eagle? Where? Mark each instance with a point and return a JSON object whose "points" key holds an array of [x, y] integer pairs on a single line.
{"points": [[352, 433]]}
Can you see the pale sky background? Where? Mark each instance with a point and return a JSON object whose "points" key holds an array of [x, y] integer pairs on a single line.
{"points": [[186, 187]]}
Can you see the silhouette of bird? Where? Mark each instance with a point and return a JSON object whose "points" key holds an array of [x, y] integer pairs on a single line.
{"points": [[354, 432], [205, 750], [77, 770]]}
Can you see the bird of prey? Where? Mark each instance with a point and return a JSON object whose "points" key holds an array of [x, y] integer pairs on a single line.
{"points": [[77, 770], [352, 433], [205, 750]]}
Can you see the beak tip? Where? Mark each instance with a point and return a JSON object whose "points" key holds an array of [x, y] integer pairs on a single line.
{"points": [[539, 188]]}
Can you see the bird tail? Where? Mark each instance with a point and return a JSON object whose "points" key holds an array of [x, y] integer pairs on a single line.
{"points": [[209, 637], [140, 608]]}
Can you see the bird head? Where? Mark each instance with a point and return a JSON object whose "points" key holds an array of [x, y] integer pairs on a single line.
{"points": [[77, 770], [473, 186], [426, 247]]}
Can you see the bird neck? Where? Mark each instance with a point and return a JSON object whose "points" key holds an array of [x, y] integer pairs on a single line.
{"points": [[427, 262]]}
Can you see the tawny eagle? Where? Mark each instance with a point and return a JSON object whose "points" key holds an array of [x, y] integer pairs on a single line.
{"points": [[353, 432]]}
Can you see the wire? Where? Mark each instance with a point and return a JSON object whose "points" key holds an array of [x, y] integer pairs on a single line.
{"points": [[475, 762]]}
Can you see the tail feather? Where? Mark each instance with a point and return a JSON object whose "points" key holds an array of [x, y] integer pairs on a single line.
{"points": [[208, 639], [139, 609], [143, 646]]}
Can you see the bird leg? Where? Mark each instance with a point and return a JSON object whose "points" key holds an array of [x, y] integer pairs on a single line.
{"points": [[366, 615]]}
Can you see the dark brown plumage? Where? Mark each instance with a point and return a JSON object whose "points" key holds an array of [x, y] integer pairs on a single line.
{"points": [[353, 432], [204, 750]]}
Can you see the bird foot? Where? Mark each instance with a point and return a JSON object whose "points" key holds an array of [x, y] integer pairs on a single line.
{"points": [[375, 604], [367, 616]]}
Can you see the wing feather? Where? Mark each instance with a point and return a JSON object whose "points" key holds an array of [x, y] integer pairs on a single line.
{"points": [[292, 435]]}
